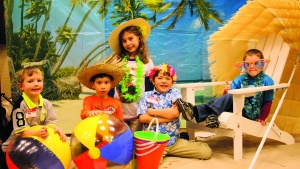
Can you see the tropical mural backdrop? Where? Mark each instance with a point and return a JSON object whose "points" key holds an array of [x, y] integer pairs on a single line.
{"points": [[60, 35]]}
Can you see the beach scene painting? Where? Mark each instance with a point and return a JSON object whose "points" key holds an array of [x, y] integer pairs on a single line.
{"points": [[62, 36]]}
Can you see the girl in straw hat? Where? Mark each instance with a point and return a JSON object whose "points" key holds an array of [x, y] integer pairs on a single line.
{"points": [[128, 41], [160, 103], [101, 78]]}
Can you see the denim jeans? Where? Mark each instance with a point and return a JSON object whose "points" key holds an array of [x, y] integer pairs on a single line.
{"points": [[215, 106]]}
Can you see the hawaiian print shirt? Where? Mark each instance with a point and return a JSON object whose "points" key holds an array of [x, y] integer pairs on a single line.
{"points": [[156, 100]]}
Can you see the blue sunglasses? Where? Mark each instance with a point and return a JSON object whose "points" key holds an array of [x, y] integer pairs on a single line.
{"points": [[244, 66]]}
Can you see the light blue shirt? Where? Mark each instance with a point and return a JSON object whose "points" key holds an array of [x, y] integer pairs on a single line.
{"points": [[164, 100]]}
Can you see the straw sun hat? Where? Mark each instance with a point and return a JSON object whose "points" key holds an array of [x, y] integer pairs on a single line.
{"points": [[109, 65], [114, 36]]}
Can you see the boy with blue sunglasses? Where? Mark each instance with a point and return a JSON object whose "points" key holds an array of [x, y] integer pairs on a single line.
{"points": [[255, 108]]}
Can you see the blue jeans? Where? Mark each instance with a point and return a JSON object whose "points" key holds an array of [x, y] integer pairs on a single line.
{"points": [[215, 106]]}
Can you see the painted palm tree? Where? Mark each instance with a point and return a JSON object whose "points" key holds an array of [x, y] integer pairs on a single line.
{"points": [[22, 15], [65, 34], [37, 10], [8, 25], [90, 56], [63, 30], [126, 10], [103, 8], [39, 39], [201, 8]]}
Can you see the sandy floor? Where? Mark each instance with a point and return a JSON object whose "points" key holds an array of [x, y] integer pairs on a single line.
{"points": [[274, 155]]}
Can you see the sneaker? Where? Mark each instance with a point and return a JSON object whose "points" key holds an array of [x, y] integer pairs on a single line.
{"points": [[186, 109], [212, 121]]}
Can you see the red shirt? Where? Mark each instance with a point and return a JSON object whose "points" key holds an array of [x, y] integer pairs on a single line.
{"points": [[109, 105]]}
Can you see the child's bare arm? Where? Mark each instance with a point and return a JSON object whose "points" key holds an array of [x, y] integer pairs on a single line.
{"points": [[262, 122], [42, 132], [57, 130], [93, 113], [146, 118], [168, 113], [227, 87]]}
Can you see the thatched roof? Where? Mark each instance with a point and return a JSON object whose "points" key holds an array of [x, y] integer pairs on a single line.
{"points": [[254, 20]]}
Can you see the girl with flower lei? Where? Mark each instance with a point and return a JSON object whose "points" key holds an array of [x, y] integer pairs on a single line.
{"points": [[128, 41]]}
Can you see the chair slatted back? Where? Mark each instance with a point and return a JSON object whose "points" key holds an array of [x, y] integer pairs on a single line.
{"points": [[275, 49]]}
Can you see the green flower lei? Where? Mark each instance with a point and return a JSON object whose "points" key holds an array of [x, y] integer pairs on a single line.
{"points": [[252, 106], [130, 92]]}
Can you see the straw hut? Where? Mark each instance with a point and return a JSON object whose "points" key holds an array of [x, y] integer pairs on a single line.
{"points": [[253, 21]]}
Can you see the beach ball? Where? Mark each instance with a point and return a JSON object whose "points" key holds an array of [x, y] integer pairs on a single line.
{"points": [[38, 153], [99, 139]]}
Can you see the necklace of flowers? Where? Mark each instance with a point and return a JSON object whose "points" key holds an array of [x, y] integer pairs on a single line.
{"points": [[125, 83], [252, 107]]}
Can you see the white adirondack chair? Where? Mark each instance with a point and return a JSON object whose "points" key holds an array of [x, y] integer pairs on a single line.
{"points": [[232, 124]]}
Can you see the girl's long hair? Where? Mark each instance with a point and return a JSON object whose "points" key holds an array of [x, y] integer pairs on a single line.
{"points": [[142, 50]]}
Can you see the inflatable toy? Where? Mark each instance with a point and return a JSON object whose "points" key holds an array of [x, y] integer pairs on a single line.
{"points": [[35, 152], [97, 140]]}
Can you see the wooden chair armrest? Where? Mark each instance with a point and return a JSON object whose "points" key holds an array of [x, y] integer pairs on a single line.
{"points": [[198, 84], [188, 89], [240, 94], [258, 89]]}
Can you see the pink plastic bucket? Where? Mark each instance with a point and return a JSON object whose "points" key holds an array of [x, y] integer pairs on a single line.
{"points": [[149, 147]]}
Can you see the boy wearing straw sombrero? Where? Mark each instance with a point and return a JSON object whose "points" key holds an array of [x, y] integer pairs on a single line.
{"points": [[102, 77], [160, 103], [128, 41]]}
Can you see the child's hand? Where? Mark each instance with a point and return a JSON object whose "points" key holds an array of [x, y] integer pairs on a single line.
{"points": [[43, 132], [62, 135], [174, 106], [94, 113], [150, 112], [228, 86], [262, 122]]}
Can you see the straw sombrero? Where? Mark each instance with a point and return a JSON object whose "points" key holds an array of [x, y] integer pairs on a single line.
{"points": [[114, 36], [109, 65]]}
